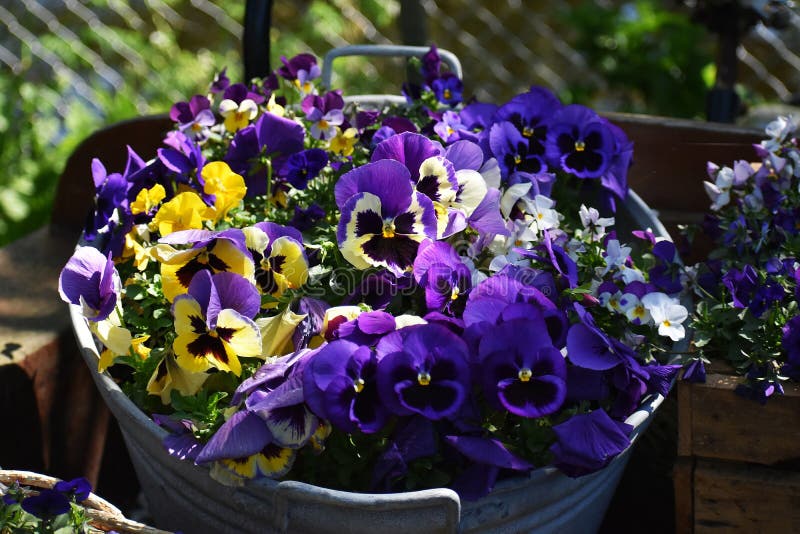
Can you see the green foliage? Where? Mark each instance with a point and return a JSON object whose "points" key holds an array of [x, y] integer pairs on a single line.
{"points": [[654, 59]]}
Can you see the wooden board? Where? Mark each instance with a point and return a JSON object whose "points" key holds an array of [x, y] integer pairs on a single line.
{"points": [[715, 422], [737, 497]]}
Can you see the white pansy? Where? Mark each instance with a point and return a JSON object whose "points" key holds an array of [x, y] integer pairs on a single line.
{"points": [[667, 314], [593, 223], [720, 191]]}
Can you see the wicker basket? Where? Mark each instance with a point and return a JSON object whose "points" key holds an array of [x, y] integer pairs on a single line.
{"points": [[102, 515]]}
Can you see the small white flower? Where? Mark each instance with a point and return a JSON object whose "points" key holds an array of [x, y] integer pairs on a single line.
{"points": [[630, 274], [720, 191], [616, 255], [593, 223], [667, 314], [610, 301], [634, 309], [544, 217]]}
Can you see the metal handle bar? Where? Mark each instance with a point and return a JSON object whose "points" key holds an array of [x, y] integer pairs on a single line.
{"points": [[384, 50]]}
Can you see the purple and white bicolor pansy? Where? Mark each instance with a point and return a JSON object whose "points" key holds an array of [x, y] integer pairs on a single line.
{"points": [[383, 219], [324, 113]]}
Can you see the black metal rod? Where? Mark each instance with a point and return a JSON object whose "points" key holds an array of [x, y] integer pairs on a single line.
{"points": [[256, 38]]}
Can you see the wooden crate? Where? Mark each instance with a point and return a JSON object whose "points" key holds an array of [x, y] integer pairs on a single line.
{"points": [[738, 468]]}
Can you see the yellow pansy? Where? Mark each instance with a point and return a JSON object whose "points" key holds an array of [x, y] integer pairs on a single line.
{"points": [[186, 211], [237, 116], [178, 267], [344, 141], [170, 376], [227, 187], [147, 199]]}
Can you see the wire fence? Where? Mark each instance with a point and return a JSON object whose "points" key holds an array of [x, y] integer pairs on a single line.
{"points": [[504, 46]]}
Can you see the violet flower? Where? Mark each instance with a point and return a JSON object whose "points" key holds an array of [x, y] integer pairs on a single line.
{"points": [[423, 369], [340, 385], [588, 442], [522, 371], [90, 281], [580, 142], [439, 270], [195, 116], [325, 114]]}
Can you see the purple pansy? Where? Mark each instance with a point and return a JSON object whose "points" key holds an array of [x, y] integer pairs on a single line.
{"points": [[486, 457], [580, 142], [194, 116], [423, 369], [306, 219], [110, 194], [588, 442], [91, 281], [522, 371], [47, 505], [304, 166], [270, 135], [448, 89], [244, 434], [591, 348], [439, 270], [79, 488], [340, 385]]}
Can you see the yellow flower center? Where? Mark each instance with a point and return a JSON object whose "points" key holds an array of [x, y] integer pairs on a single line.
{"points": [[202, 257], [527, 131], [358, 385], [213, 333], [388, 230], [323, 124], [447, 94], [424, 378], [517, 159], [454, 294], [580, 146], [667, 323], [525, 374]]}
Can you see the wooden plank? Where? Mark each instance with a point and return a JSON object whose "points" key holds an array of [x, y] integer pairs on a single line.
{"points": [[683, 480], [684, 418], [738, 497], [729, 427]]}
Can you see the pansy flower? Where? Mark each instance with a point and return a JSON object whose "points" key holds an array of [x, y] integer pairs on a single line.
{"points": [[194, 116], [271, 135], [667, 314], [383, 219], [90, 281], [169, 376], [448, 89], [588, 442], [340, 385], [210, 251], [110, 193], [324, 113], [237, 115], [303, 166], [439, 269], [186, 211], [423, 369], [580, 142], [214, 324], [279, 257], [226, 186], [523, 372]]}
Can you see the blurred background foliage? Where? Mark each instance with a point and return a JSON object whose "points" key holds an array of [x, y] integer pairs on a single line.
{"points": [[70, 66]]}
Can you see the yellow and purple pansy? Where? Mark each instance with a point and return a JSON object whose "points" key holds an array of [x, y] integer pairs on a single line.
{"points": [[214, 323], [210, 251]]}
